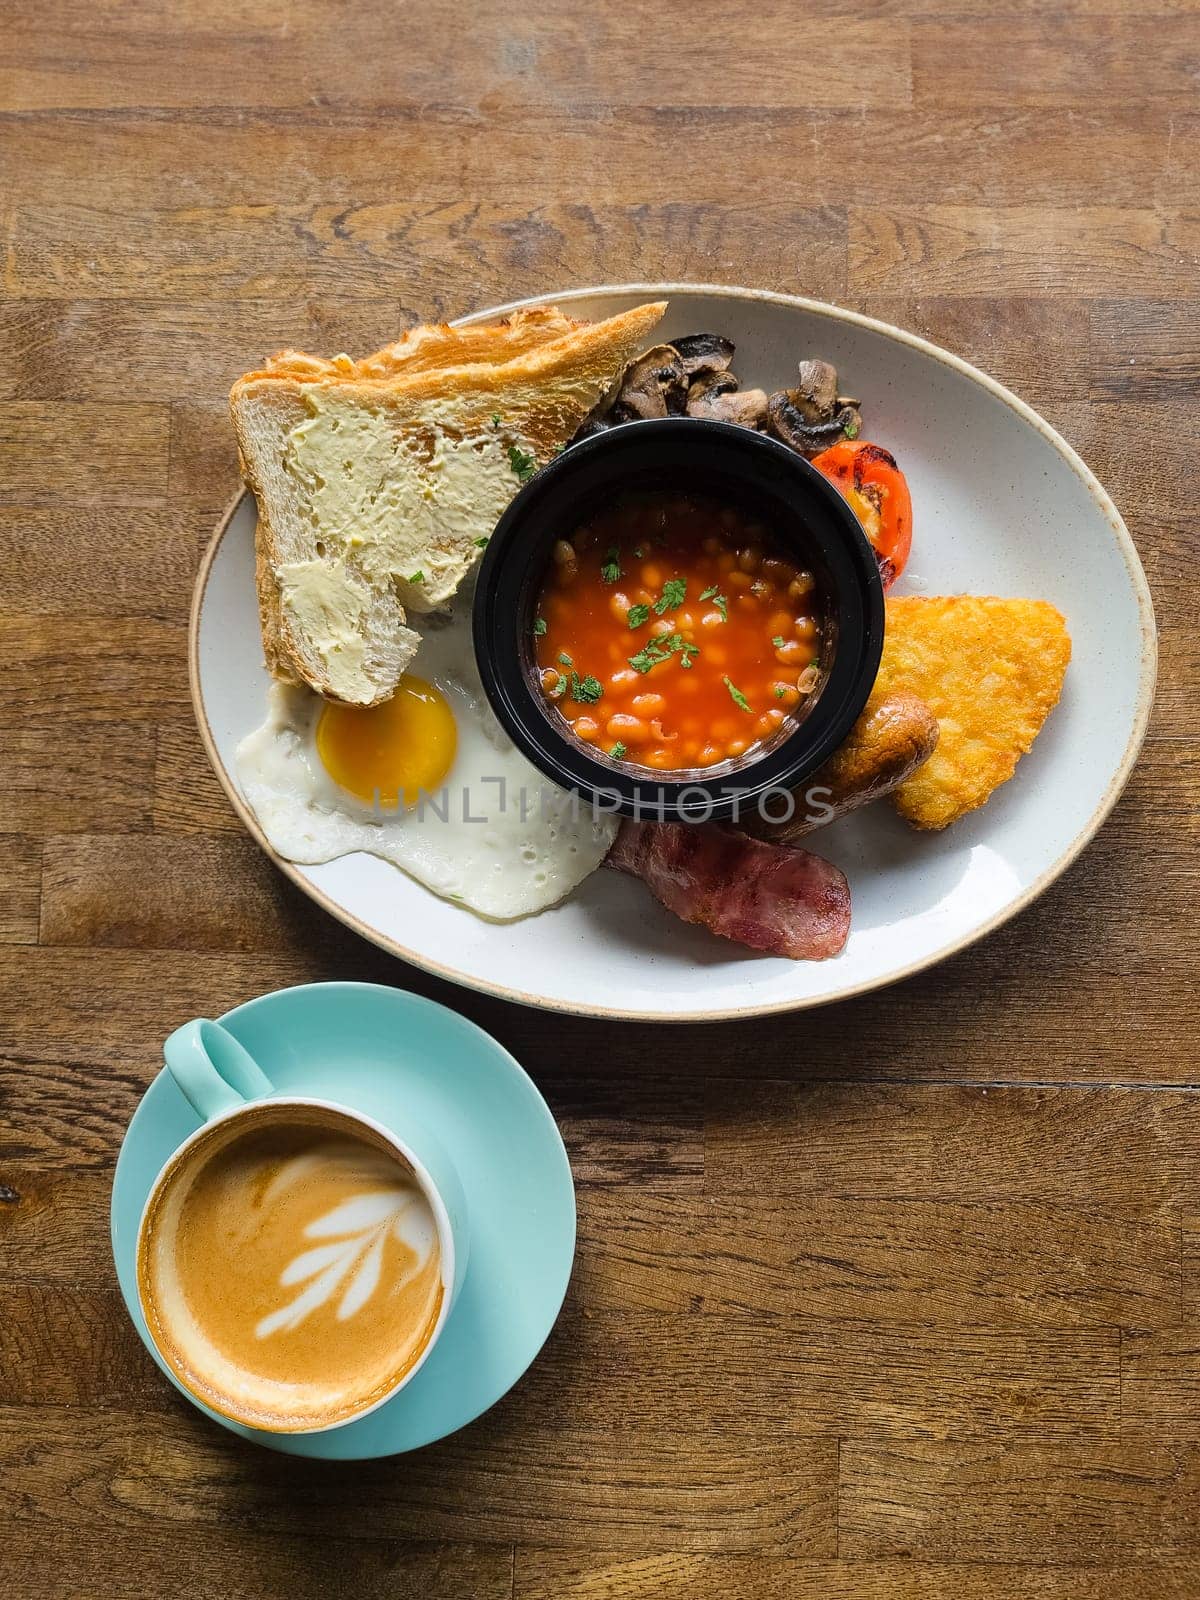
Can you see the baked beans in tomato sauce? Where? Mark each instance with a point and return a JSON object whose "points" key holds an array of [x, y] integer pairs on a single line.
{"points": [[672, 632]]}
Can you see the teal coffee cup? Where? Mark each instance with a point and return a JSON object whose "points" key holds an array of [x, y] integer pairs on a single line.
{"points": [[297, 1259]]}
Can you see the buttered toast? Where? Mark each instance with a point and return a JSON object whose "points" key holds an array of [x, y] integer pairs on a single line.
{"points": [[379, 481]]}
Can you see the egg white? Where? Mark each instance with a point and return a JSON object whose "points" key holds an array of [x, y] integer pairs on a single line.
{"points": [[509, 843]]}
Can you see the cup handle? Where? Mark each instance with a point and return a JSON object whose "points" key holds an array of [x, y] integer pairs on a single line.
{"points": [[213, 1070]]}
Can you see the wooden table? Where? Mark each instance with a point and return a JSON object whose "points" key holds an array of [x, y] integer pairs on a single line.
{"points": [[896, 1299]]}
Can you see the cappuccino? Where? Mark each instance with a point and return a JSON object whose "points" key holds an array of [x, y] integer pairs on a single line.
{"points": [[290, 1268]]}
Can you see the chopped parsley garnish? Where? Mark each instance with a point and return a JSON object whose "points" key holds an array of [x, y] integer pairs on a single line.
{"points": [[780, 691], [417, 577], [736, 695], [639, 551], [779, 641], [481, 544], [637, 615], [495, 419], [662, 648], [564, 660], [673, 595], [586, 690], [522, 463], [647, 658], [850, 429], [618, 750], [718, 599], [539, 627], [611, 570]]}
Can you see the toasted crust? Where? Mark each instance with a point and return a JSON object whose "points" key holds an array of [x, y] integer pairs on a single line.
{"points": [[992, 671], [541, 371], [428, 346]]}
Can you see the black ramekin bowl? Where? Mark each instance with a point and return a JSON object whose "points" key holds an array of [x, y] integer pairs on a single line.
{"points": [[806, 516]]}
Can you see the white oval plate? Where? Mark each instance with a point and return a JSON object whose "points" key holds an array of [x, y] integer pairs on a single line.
{"points": [[1002, 505]]}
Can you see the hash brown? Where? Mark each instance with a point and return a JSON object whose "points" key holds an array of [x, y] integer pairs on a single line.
{"points": [[991, 671]]}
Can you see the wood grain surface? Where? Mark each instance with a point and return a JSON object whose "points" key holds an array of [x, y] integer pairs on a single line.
{"points": [[897, 1299]]}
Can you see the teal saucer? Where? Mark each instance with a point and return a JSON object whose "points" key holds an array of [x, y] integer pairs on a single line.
{"points": [[397, 1056]]}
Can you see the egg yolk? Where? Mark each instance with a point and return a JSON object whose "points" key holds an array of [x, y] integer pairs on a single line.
{"points": [[392, 751]]}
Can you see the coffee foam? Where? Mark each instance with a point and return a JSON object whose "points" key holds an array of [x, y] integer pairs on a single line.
{"points": [[290, 1269]]}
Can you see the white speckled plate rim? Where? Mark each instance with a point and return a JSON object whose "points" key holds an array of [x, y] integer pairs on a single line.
{"points": [[1148, 668]]}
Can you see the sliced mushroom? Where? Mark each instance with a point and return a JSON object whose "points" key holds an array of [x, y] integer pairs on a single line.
{"points": [[691, 377], [709, 386], [815, 396], [676, 397], [703, 352], [813, 416], [787, 421], [647, 382], [748, 408], [716, 395]]}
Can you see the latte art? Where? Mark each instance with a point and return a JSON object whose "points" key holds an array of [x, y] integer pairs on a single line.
{"points": [[290, 1268], [352, 1268]]}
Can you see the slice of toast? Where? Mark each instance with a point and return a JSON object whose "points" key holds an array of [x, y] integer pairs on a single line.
{"points": [[991, 671], [379, 481]]}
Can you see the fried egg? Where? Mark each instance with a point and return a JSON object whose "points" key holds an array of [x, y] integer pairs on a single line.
{"points": [[428, 781]]}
